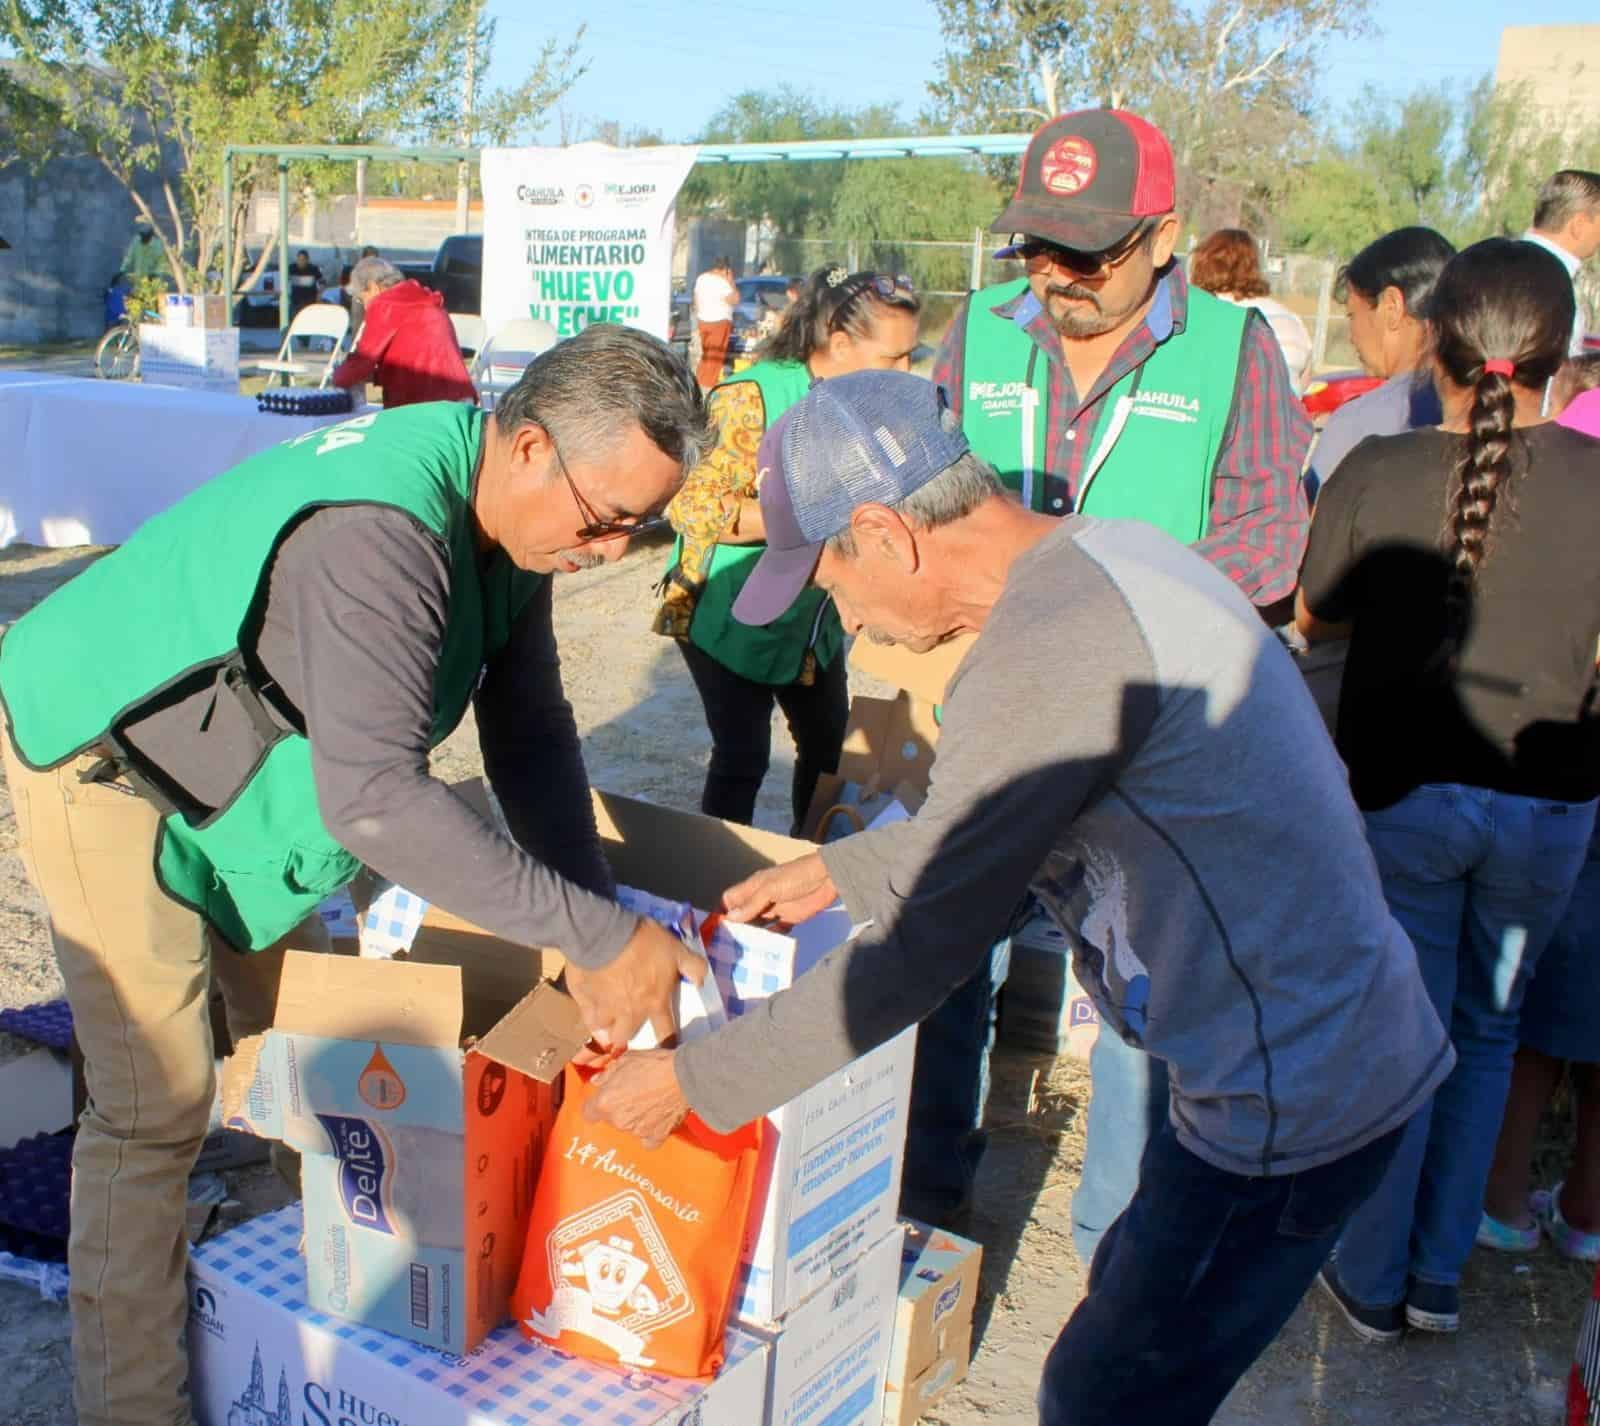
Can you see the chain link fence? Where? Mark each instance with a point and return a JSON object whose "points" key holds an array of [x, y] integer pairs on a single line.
{"points": [[945, 271]]}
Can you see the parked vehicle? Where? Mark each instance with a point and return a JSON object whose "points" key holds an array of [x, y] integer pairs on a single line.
{"points": [[758, 297], [456, 271]]}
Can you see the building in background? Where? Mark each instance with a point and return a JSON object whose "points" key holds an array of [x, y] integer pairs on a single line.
{"points": [[1559, 65]]}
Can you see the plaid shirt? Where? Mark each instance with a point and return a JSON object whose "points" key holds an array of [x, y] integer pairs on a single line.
{"points": [[1259, 517]]}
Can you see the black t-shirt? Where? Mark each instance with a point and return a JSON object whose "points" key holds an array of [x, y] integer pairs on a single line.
{"points": [[1510, 710]]}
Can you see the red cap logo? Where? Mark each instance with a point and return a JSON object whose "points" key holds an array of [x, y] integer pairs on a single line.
{"points": [[1069, 166]]}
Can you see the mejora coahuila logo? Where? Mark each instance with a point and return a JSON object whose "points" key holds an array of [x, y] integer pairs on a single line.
{"points": [[364, 1167]]}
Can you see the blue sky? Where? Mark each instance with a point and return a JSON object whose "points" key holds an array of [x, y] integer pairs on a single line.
{"points": [[668, 64]]}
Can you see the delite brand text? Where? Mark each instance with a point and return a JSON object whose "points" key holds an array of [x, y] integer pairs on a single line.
{"points": [[363, 1165]]}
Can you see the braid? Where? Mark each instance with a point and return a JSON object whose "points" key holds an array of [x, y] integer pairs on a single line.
{"points": [[1482, 469]]}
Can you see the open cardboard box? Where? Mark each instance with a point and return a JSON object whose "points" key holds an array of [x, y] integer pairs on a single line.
{"points": [[420, 1092]]}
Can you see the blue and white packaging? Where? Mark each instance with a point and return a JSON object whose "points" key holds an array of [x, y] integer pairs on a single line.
{"points": [[261, 1355], [829, 1363]]}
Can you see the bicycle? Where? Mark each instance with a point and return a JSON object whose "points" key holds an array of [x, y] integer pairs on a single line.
{"points": [[117, 356]]}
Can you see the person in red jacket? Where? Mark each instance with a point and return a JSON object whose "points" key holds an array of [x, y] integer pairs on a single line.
{"points": [[406, 345]]}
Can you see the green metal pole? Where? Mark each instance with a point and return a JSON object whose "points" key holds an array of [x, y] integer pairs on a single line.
{"points": [[227, 233], [283, 245]]}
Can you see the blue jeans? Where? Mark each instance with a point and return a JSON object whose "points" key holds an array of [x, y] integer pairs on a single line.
{"points": [[1193, 1282], [1127, 1107], [1479, 880], [949, 1089]]}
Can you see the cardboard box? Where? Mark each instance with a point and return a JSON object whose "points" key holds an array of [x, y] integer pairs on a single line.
{"points": [[829, 1363], [419, 1158], [830, 1175], [933, 1321], [206, 358], [887, 756], [261, 1356], [1044, 1007]]}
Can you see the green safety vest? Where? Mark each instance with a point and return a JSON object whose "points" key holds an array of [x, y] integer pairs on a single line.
{"points": [[773, 653], [1160, 430], [177, 606]]}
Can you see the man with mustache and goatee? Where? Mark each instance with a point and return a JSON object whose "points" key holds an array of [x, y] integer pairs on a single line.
{"points": [[1102, 383]]}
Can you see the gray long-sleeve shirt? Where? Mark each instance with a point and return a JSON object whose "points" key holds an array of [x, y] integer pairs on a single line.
{"points": [[349, 637], [1130, 742]]}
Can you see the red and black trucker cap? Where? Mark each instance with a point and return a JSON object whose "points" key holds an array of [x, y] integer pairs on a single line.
{"points": [[1089, 179]]}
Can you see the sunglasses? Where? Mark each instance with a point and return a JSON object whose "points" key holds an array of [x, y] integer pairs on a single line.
{"points": [[594, 527], [856, 286], [1036, 252]]}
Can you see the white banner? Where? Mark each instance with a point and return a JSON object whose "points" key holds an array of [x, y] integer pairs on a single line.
{"points": [[580, 234]]}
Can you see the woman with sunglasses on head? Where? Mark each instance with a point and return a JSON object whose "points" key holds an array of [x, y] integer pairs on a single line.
{"points": [[1459, 561], [840, 322]]}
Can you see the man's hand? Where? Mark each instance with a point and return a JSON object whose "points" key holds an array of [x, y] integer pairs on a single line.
{"points": [[639, 1094], [788, 893], [640, 984]]}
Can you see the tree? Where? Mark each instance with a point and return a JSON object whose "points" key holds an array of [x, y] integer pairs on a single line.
{"points": [[796, 198], [1467, 162], [885, 204], [155, 89], [1231, 82]]}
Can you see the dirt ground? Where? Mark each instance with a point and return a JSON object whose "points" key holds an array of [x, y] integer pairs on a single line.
{"points": [[644, 735]]}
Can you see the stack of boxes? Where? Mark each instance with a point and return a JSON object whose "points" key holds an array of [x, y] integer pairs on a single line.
{"points": [[419, 1163], [193, 345]]}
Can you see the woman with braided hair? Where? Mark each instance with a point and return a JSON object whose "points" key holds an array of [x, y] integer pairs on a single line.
{"points": [[1460, 562]]}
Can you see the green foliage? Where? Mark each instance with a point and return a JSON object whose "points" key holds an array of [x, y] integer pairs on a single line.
{"points": [[156, 89], [1231, 82], [1468, 162]]}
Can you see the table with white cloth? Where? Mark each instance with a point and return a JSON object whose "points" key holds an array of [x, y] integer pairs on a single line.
{"points": [[86, 462]]}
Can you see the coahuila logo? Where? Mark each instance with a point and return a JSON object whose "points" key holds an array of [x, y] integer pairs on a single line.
{"points": [[1167, 406], [364, 1163], [540, 195]]}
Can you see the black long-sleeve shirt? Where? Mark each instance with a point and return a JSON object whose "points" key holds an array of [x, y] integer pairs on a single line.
{"points": [[349, 638]]}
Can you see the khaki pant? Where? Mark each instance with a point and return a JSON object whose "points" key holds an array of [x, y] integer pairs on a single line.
{"points": [[138, 969]]}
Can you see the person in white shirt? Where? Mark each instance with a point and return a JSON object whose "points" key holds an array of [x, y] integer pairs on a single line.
{"points": [[714, 299], [1227, 264], [1566, 222]]}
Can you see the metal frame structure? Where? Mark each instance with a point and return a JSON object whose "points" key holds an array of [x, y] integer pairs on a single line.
{"points": [[797, 151]]}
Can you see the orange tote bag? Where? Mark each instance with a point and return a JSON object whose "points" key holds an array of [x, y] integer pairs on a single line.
{"points": [[633, 1253]]}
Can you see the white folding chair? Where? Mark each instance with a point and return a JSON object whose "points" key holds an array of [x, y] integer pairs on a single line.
{"points": [[470, 332], [505, 356], [315, 324]]}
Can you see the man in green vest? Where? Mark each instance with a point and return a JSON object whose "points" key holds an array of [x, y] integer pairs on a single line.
{"points": [[217, 725], [1101, 383]]}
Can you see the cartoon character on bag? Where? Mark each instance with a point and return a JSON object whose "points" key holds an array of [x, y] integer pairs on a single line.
{"points": [[602, 1291]]}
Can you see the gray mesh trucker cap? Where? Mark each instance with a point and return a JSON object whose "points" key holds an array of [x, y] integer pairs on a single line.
{"points": [[872, 437]]}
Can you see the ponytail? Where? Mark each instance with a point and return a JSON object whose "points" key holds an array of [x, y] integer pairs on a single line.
{"points": [[1483, 467], [1501, 312], [796, 337]]}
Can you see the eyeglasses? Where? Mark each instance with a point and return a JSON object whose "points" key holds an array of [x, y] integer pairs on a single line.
{"points": [[857, 285], [1036, 252], [594, 528]]}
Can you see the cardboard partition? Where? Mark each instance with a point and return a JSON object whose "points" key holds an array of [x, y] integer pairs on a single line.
{"points": [[932, 1343], [924, 676], [890, 743], [260, 1355]]}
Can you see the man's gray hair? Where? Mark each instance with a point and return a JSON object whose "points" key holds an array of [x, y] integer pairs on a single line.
{"points": [[590, 390], [1566, 194], [375, 272], [951, 495]]}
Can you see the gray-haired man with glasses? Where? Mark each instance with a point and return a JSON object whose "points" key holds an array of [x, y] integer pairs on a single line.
{"points": [[216, 726]]}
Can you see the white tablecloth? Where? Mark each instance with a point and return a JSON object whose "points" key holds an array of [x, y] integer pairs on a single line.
{"points": [[85, 462]]}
